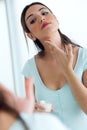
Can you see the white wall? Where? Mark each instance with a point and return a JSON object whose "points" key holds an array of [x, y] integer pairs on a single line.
{"points": [[71, 14], [6, 72]]}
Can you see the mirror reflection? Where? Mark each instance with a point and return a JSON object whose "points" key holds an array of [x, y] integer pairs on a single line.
{"points": [[46, 50]]}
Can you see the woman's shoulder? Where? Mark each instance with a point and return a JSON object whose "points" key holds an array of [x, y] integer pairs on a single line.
{"points": [[83, 52], [28, 67], [29, 62]]}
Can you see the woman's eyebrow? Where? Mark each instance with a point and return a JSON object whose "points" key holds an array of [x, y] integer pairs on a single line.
{"points": [[41, 8], [28, 17], [32, 14]]}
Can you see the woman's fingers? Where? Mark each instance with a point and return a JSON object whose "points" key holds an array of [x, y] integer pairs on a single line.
{"points": [[29, 88], [54, 48], [69, 52], [68, 49], [39, 108], [27, 104]]}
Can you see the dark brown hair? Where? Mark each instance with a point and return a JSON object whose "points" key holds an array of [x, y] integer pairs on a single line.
{"points": [[65, 40]]}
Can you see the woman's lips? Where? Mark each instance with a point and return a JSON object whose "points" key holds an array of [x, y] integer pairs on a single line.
{"points": [[44, 25]]}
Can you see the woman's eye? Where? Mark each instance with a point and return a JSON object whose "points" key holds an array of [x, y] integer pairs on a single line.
{"points": [[44, 13], [32, 21]]}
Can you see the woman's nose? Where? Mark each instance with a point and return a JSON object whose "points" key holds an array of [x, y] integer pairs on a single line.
{"points": [[41, 19]]}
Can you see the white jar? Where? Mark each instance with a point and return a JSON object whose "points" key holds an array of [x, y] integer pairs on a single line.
{"points": [[47, 105]]}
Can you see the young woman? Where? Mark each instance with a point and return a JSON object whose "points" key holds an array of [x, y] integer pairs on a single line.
{"points": [[59, 69], [17, 113]]}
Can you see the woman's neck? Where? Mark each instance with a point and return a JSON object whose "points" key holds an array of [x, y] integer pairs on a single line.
{"points": [[49, 41]]}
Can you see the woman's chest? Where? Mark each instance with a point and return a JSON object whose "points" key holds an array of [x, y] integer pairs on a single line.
{"points": [[52, 76], [51, 73]]}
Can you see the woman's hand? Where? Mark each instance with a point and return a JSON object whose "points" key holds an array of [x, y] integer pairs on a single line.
{"points": [[64, 59], [20, 104], [42, 108], [26, 104], [39, 108]]}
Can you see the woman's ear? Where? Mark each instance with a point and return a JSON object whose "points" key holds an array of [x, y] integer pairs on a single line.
{"points": [[31, 36]]}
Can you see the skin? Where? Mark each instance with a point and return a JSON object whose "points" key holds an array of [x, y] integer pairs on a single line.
{"points": [[25, 105], [58, 61], [6, 120], [40, 16]]}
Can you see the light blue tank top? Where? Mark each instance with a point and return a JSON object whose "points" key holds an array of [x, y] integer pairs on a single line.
{"points": [[65, 105]]}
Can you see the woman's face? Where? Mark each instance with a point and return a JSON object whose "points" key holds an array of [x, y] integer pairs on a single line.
{"points": [[40, 21]]}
